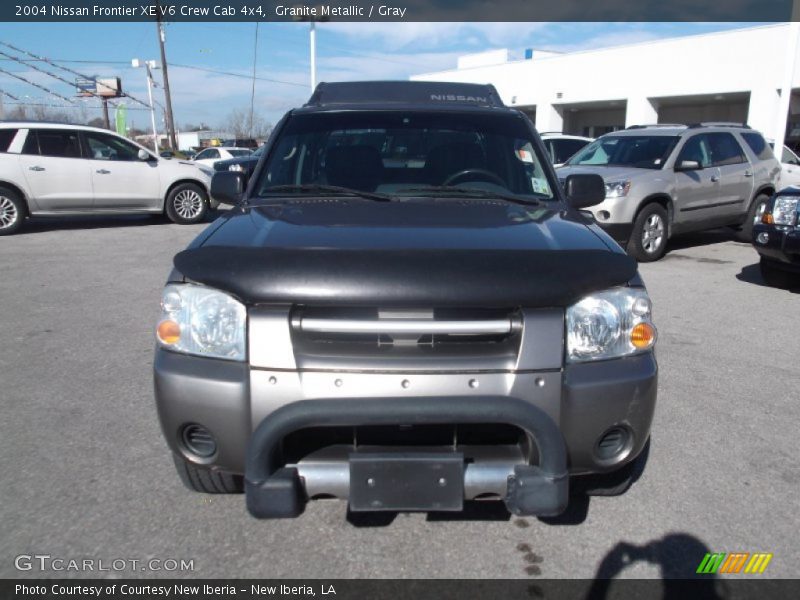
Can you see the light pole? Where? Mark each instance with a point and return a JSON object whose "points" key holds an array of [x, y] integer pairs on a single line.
{"points": [[312, 38], [149, 64]]}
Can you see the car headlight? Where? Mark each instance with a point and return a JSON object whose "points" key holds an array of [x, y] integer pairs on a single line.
{"points": [[236, 167], [202, 321], [784, 211], [610, 324], [617, 189]]}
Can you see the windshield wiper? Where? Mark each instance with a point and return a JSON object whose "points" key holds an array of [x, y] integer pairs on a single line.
{"points": [[316, 188], [475, 193]]}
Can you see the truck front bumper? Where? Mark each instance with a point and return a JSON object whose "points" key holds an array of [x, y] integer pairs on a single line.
{"points": [[780, 246], [566, 412]]}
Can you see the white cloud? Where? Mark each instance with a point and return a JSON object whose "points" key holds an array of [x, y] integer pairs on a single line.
{"points": [[393, 36]]}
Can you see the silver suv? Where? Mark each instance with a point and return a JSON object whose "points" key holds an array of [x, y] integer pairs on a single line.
{"points": [[662, 180]]}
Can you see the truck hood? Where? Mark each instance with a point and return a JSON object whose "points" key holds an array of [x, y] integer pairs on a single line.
{"points": [[411, 253]]}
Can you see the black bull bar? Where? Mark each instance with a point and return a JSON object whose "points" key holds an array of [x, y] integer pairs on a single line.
{"points": [[275, 491]]}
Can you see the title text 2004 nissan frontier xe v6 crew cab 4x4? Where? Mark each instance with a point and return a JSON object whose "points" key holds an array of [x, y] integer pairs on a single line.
{"points": [[403, 309]]}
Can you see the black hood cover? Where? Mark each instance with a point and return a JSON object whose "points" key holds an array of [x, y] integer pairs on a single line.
{"points": [[470, 254]]}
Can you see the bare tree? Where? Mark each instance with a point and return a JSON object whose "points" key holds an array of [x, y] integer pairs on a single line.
{"points": [[47, 113], [238, 123]]}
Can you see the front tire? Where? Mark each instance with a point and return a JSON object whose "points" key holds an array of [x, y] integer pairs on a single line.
{"points": [[187, 204], [649, 236], [12, 211], [757, 208], [775, 276]]}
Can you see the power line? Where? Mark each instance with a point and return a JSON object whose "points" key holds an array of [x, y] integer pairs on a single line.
{"points": [[48, 73], [231, 74], [13, 97], [41, 87], [68, 70]]}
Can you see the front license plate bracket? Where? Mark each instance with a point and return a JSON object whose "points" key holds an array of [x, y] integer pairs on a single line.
{"points": [[406, 481]]}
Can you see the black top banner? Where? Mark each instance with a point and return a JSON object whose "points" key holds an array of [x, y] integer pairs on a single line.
{"points": [[398, 10]]}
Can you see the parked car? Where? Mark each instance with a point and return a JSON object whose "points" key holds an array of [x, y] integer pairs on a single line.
{"points": [[241, 143], [561, 147], [245, 164], [665, 180], [180, 154], [405, 326], [776, 238], [790, 167], [209, 156], [49, 170]]}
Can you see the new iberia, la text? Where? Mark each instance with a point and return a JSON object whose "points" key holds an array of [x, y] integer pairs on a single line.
{"points": [[177, 590]]}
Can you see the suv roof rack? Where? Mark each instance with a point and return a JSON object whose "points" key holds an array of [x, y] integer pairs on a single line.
{"points": [[656, 125], [719, 124], [405, 92]]}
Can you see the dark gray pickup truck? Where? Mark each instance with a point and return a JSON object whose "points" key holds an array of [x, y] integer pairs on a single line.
{"points": [[405, 310]]}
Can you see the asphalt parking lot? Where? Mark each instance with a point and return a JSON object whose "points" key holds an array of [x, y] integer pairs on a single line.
{"points": [[86, 473]]}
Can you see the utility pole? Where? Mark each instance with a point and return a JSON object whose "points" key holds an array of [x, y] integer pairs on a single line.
{"points": [[105, 113], [167, 97], [253, 88], [149, 64]]}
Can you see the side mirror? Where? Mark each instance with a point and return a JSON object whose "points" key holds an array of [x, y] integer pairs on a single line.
{"points": [[688, 165], [585, 190], [227, 187], [144, 155]]}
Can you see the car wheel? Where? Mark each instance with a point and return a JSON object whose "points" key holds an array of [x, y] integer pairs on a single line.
{"points": [[187, 203], [648, 240], [757, 208], [776, 277], [12, 211], [208, 481]]}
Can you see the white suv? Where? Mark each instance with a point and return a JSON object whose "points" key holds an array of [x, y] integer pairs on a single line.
{"points": [[49, 169]]}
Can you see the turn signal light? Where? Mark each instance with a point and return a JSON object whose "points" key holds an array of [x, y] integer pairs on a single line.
{"points": [[643, 336], [169, 332], [767, 218]]}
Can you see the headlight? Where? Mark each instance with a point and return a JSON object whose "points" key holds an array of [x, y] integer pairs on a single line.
{"points": [[610, 324], [617, 189], [784, 211], [236, 167], [202, 321]]}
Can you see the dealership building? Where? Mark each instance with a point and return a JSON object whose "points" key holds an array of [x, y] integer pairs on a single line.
{"points": [[727, 76]]}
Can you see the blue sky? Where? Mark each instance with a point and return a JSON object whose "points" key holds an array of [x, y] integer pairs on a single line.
{"points": [[197, 52]]}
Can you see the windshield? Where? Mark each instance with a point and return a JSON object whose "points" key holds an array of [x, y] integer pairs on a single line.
{"points": [[637, 151], [406, 153]]}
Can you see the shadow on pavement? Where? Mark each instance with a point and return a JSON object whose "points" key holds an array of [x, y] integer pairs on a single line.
{"points": [[677, 555], [44, 224], [700, 238], [473, 511], [752, 274]]}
